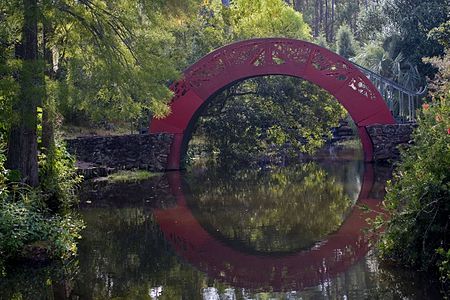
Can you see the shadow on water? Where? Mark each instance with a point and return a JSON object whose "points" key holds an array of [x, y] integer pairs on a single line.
{"points": [[287, 233]]}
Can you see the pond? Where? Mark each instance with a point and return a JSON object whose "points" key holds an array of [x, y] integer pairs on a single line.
{"points": [[297, 232]]}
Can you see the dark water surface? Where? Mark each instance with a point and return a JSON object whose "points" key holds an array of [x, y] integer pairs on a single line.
{"points": [[283, 233]]}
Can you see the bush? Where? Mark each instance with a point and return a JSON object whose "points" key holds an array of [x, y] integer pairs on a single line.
{"points": [[28, 228], [22, 225], [417, 233], [58, 178]]}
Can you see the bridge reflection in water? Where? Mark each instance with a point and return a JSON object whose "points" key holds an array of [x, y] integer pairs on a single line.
{"points": [[244, 235], [293, 270]]}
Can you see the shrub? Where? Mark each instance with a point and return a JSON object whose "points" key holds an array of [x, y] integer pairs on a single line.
{"points": [[418, 198], [22, 225], [28, 228], [58, 178]]}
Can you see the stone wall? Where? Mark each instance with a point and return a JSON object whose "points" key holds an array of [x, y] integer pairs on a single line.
{"points": [[387, 138], [144, 151], [151, 151]]}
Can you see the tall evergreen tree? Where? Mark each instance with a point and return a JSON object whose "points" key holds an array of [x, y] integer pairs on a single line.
{"points": [[345, 42]]}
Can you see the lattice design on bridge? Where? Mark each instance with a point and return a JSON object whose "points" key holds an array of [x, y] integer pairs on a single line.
{"points": [[329, 67], [263, 53], [358, 84], [293, 53], [222, 61]]}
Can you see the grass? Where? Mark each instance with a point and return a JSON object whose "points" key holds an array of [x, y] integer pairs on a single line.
{"points": [[71, 131], [130, 176], [350, 144]]}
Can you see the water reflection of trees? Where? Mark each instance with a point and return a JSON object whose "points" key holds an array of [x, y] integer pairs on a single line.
{"points": [[124, 254], [278, 211]]}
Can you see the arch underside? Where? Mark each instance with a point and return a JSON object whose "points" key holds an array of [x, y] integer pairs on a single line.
{"points": [[272, 56]]}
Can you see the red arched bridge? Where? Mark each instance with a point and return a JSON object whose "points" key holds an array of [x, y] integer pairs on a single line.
{"points": [[273, 56]]}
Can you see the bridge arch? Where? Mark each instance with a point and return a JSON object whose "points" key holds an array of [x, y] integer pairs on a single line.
{"points": [[271, 56]]}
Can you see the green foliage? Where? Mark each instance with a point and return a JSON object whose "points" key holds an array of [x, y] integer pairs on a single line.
{"points": [[58, 178], [266, 18], [402, 29], [260, 117], [10, 26], [22, 225], [26, 222], [347, 14], [103, 60], [117, 79], [441, 34], [371, 23], [375, 58], [417, 199], [217, 25], [345, 42], [412, 20], [3, 171], [379, 59], [440, 86], [444, 264], [322, 41]]}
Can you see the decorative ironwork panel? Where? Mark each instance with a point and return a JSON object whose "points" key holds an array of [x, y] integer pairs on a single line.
{"points": [[358, 84], [337, 69]]}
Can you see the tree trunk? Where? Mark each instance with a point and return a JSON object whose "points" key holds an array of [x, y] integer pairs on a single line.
{"points": [[48, 107], [320, 16], [333, 4], [22, 143], [327, 33], [316, 18]]}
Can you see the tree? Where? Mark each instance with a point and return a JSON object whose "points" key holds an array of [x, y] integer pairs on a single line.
{"points": [[441, 34], [371, 23], [22, 142], [345, 42], [94, 58], [411, 20], [267, 18], [347, 14], [269, 119]]}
